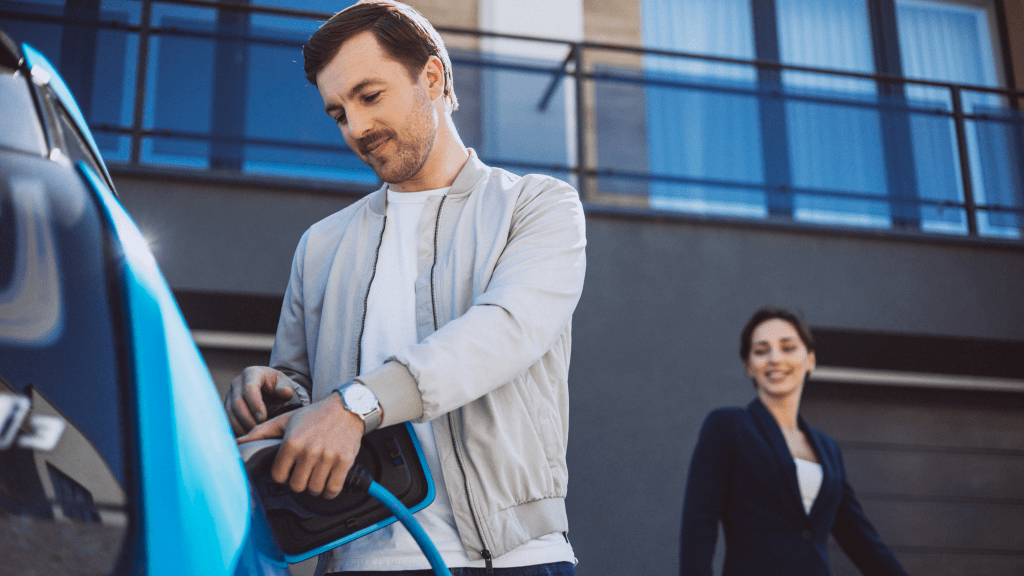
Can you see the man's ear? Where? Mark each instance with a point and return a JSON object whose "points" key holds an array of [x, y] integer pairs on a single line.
{"points": [[433, 73]]}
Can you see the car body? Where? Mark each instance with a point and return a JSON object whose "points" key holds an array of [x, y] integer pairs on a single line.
{"points": [[117, 456]]}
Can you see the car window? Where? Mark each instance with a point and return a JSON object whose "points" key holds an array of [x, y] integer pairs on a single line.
{"points": [[65, 490], [22, 131]]}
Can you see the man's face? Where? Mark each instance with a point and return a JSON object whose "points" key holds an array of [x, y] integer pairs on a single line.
{"points": [[386, 117]]}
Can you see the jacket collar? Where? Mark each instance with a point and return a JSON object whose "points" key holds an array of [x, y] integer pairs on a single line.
{"points": [[772, 433], [469, 176], [472, 172]]}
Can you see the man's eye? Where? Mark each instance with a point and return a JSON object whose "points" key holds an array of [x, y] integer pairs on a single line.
{"points": [[371, 97], [340, 119]]}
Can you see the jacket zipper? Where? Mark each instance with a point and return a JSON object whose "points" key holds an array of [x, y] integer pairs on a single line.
{"points": [[451, 422], [366, 299], [458, 457], [433, 265]]}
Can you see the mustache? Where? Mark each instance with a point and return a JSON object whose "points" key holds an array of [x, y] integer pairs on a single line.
{"points": [[368, 142]]}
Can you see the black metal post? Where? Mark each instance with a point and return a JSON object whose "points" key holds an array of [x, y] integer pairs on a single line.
{"points": [[581, 125], [772, 112], [965, 162], [556, 78], [894, 123], [78, 50], [140, 81], [228, 109]]}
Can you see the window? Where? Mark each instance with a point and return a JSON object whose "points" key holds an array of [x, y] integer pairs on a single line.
{"points": [[224, 89], [827, 148], [703, 116]]}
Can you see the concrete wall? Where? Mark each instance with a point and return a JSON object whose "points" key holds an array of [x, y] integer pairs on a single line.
{"points": [[1014, 10], [236, 237]]}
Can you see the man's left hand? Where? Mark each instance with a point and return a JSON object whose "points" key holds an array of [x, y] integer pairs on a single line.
{"points": [[319, 444]]}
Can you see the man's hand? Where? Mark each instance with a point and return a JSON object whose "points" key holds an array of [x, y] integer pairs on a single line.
{"points": [[250, 393], [319, 445]]}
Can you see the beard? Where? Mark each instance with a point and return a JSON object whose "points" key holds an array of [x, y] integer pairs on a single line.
{"points": [[409, 152]]}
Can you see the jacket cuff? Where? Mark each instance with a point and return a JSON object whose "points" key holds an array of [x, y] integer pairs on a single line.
{"points": [[396, 392]]}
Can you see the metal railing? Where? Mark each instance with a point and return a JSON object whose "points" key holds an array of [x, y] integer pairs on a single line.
{"points": [[582, 63]]}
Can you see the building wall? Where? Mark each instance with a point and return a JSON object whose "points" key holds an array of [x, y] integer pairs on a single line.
{"points": [[612, 21], [234, 237], [1015, 25]]}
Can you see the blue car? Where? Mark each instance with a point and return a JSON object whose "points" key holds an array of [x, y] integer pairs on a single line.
{"points": [[115, 454]]}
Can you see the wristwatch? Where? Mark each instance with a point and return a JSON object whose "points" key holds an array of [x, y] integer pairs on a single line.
{"points": [[362, 402]]}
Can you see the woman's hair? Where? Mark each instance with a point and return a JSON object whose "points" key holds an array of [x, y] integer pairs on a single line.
{"points": [[401, 31], [770, 312]]}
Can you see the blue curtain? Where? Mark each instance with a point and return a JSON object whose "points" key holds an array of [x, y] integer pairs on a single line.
{"points": [[703, 134], [833, 147]]}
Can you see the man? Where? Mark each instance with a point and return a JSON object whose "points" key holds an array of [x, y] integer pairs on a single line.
{"points": [[445, 299]]}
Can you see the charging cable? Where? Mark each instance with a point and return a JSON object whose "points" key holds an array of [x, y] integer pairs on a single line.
{"points": [[359, 481]]}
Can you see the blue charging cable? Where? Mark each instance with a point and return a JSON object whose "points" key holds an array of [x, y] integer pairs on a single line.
{"points": [[359, 481]]}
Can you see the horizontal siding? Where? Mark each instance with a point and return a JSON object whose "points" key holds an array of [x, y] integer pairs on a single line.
{"points": [[930, 563], [942, 526], [939, 473], [923, 419], [952, 476]]}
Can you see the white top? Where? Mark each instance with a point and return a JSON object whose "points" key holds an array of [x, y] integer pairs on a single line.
{"points": [[390, 326], [809, 476]]}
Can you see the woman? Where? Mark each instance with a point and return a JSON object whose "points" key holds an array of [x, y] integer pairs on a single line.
{"points": [[777, 485]]}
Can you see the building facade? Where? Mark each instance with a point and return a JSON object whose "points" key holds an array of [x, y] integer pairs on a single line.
{"points": [[858, 160]]}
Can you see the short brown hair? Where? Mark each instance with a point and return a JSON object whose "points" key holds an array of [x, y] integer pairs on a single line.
{"points": [[401, 31], [770, 312]]}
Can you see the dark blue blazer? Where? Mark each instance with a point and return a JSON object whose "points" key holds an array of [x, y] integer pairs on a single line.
{"points": [[743, 475]]}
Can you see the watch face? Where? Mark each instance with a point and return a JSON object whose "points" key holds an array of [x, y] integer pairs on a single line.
{"points": [[360, 399]]}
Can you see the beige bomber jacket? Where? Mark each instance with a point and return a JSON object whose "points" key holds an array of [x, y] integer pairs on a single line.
{"points": [[501, 262]]}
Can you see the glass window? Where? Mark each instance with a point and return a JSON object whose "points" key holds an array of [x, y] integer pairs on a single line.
{"points": [[43, 36], [290, 135], [179, 87], [994, 143], [98, 64], [833, 147], [854, 151], [325, 6], [112, 90], [704, 136]]}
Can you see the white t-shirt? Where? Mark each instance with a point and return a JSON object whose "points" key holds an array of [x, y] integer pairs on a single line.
{"points": [[390, 326], [809, 476]]}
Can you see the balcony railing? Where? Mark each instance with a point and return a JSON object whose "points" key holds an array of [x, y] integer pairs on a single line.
{"points": [[218, 87]]}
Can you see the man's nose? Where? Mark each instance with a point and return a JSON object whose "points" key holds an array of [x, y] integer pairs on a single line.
{"points": [[359, 124]]}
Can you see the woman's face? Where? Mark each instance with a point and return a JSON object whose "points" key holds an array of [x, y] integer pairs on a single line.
{"points": [[778, 360]]}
